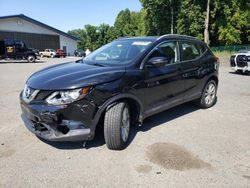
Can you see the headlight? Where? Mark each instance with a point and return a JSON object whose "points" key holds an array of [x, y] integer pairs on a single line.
{"points": [[66, 97]]}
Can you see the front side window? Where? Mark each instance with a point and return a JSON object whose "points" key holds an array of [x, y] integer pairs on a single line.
{"points": [[19, 44], [118, 52], [189, 51], [168, 50]]}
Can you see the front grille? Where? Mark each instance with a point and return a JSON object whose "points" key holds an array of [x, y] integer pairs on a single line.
{"points": [[42, 95], [241, 64], [241, 61], [240, 58]]}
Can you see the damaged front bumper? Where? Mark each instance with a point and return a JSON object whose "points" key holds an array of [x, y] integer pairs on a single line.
{"points": [[44, 131], [58, 123]]}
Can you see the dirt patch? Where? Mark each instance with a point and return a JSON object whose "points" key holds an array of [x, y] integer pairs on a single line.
{"points": [[247, 177], [143, 168], [172, 156]]}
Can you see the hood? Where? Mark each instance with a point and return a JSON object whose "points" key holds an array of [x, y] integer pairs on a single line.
{"points": [[73, 75]]}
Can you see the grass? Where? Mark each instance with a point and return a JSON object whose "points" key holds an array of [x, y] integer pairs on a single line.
{"points": [[224, 56]]}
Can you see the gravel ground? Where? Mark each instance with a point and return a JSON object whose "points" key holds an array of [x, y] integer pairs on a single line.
{"points": [[182, 147]]}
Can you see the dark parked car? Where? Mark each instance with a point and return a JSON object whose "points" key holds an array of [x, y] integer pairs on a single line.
{"points": [[117, 86], [80, 53], [60, 53], [17, 50]]}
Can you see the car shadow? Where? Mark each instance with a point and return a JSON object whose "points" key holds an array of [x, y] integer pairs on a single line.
{"points": [[64, 145], [239, 73], [148, 124], [21, 62], [163, 117]]}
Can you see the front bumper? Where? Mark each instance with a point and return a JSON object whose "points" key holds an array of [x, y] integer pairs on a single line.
{"points": [[53, 135], [59, 123], [243, 69]]}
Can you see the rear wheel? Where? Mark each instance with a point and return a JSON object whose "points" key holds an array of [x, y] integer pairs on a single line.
{"points": [[209, 95], [117, 126], [52, 55], [31, 58]]}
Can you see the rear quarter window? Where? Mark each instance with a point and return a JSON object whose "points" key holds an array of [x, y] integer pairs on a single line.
{"points": [[191, 50]]}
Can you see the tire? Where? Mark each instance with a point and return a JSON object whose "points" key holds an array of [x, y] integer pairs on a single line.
{"points": [[117, 126], [41, 55], [209, 95], [52, 56], [31, 58]]}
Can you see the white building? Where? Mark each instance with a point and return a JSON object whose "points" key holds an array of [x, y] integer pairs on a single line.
{"points": [[35, 34]]}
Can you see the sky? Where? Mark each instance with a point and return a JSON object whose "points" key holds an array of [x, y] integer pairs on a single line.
{"points": [[67, 15]]}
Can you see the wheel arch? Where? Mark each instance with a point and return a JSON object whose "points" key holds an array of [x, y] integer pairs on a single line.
{"points": [[130, 99], [213, 77], [30, 54]]}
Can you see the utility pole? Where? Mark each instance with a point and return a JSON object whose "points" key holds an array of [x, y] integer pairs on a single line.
{"points": [[206, 31]]}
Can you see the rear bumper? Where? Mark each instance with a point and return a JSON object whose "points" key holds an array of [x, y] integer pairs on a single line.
{"points": [[53, 135]]}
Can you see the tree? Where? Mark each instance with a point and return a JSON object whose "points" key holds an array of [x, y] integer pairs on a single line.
{"points": [[191, 19], [159, 13], [230, 22], [81, 35]]}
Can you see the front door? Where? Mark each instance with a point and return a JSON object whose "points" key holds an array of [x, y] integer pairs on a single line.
{"points": [[164, 85]]}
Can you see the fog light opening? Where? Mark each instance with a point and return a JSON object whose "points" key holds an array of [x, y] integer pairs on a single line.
{"points": [[63, 129]]}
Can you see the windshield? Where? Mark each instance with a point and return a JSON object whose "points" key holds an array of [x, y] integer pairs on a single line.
{"points": [[118, 52]]}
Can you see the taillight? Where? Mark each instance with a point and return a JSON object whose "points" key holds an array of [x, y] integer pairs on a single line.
{"points": [[217, 60]]}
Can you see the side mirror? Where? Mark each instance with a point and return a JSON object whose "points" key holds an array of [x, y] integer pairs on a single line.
{"points": [[157, 62]]}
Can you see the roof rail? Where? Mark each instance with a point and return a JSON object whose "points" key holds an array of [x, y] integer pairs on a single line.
{"points": [[176, 35]]}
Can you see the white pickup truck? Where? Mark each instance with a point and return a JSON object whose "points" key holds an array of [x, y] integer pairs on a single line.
{"points": [[48, 53], [240, 61]]}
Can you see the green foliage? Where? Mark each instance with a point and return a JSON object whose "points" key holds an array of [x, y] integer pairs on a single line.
{"points": [[229, 22], [159, 15], [191, 18]]}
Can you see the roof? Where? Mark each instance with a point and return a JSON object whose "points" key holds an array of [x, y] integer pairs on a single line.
{"points": [[22, 16]]}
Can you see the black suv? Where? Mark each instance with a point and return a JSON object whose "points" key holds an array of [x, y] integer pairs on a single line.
{"points": [[119, 85], [17, 50]]}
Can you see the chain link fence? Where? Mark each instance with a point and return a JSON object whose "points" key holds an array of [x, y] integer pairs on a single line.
{"points": [[231, 48]]}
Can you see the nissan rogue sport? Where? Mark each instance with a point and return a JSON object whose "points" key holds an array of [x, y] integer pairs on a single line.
{"points": [[117, 86]]}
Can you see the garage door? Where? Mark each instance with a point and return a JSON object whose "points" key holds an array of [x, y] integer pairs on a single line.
{"points": [[32, 40]]}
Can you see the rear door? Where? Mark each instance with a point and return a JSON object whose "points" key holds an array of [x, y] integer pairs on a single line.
{"points": [[193, 61], [164, 85]]}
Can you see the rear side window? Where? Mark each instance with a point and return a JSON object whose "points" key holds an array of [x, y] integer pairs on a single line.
{"points": [[190, 51], [202, 48]]}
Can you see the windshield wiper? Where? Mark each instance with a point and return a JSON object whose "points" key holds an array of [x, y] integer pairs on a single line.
{"points": [[97, 64]]}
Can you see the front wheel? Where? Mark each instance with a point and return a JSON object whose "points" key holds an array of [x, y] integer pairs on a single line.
{"points": [[209, 95], [31, 59], [117, 126]]}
